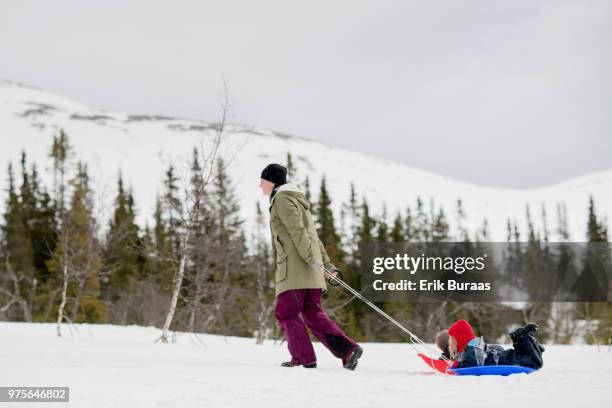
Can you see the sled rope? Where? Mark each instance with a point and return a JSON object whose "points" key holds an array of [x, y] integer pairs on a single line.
{"points": [[414, 340]]}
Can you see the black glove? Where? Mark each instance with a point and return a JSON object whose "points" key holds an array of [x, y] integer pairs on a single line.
{"points": [[332, 280]]}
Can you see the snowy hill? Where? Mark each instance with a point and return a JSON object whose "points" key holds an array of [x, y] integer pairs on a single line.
{"points": [[142, 146], [115, 366]]}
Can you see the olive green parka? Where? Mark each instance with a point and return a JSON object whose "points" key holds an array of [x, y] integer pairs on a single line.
{"points": [[298, 251]]}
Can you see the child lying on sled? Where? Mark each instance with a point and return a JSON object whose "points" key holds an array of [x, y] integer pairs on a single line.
{"points": [[467, 350]]}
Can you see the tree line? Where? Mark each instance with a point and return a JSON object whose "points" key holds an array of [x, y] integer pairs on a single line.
{"points": [[197, 269]]}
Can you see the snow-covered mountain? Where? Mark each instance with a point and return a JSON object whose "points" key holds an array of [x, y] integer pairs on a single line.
{"points": [[142, 146]]}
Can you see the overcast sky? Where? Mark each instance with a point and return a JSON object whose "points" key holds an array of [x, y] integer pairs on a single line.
{"points": [[504, 93]]}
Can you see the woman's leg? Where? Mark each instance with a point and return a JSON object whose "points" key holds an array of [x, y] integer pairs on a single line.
{"points": [[323, 328], [289, 305]]}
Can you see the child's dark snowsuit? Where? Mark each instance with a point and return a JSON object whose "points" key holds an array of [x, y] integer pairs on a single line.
{"points": [[473, 351], [525, 353]]}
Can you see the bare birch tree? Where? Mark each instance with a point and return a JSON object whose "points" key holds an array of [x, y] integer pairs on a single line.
{"points": [[13, 295], [188, 207], [77, 258]]}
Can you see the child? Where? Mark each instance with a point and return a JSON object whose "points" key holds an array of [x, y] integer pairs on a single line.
{"points": [[467, 350], [442, 343]]}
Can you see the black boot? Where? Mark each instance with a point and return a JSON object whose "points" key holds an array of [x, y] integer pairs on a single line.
{"points": [[537, 343], [292, 364], [527, 330], [350, 361]]}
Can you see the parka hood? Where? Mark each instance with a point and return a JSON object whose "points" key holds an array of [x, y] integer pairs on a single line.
{"points": [[293, 191]]}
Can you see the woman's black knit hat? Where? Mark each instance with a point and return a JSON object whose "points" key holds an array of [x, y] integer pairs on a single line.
{"points": [[275, 173]]}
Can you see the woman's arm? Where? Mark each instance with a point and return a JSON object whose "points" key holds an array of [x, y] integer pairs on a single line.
{"points": [[290, 216]]}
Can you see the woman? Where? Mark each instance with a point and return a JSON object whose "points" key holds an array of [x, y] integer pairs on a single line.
{"points": [[300, 259]]}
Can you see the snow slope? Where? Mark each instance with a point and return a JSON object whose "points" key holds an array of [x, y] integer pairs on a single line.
{"points": [[142, 146], [114, 366]]}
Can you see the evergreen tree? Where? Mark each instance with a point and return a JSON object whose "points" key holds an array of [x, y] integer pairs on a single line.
{"points": [[121, 257], [597, 314], [160, 232], [351, 224], [421, 228], [517, 233], [596, 231], [409, 231], [533, 263], [532, 236], [397, 231], [562, 229], [545, 232], [362, 319], [61, 153], [324, 219], [227, 208], [171, 210], [462, 233], [264, 283], [382, 229], [201, 244], [291, 170], [50, 221], [43, 230], [77, 259], [161, 252], [513, 253], [440, 227], [353, 205], [482, 233], [27, 196], [365, 230], [232, 275], [508, 230]]}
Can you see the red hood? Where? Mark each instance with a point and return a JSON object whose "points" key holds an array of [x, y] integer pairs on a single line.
{"points": [[462, 332]]}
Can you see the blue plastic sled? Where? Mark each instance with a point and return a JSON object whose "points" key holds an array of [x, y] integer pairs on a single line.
{"points": [[492, 370]]}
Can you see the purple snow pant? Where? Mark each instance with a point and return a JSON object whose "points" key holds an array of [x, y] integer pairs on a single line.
{"points": [[307, 302]]}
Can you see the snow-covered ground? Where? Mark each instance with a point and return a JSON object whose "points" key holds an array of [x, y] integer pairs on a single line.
{"points": [[113, 366]]}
